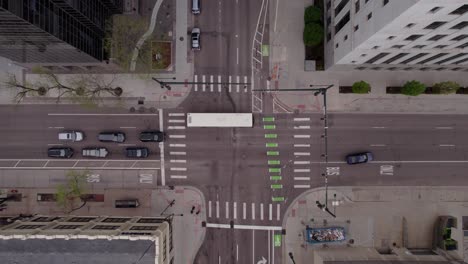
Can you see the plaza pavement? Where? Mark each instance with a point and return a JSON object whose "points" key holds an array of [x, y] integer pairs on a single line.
{"points": [[375, 217], [287, 72]]}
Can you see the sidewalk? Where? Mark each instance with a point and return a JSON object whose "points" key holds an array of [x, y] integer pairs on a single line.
{"points": [[136, 87], [287, 72], [188, 234], [375, 217]]}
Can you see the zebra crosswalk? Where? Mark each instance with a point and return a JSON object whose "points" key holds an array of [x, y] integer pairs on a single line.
{"points": [[220, 83], [244, 211]]}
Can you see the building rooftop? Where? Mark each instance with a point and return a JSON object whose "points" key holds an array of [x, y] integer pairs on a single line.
{"points": [[76, 251]]}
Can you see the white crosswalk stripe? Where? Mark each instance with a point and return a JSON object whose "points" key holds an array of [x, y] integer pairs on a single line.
{"points": [[178, 177], [245, 84], [176, 114], [195, 79], [301, 119], [230, 210], [219, 83], [301, 162], [177, 145], [301, 170], [301, 127], [204, 83], [176, 136], [238, 85], [176, 121], [175, 127], [211, 83], [230, 81], [301, 136]]}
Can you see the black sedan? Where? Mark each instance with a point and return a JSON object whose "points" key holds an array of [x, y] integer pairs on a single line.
{"points": [[358, 158]]}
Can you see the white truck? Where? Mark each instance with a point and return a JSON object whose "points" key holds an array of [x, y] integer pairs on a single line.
{"points": [[94, 152]]}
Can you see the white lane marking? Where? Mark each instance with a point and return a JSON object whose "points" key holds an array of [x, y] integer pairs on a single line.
{"points": [[227, 210], [127, 127], [261, 211], [54, 144], [253, 246], [278, 212], [444, 127], [302, 178], [298, 162], [301, 145], [57, 127], [245, 227], [301, 136], [245, 84], [301, 170], [237, 55], [176, 114], [211, 83], [178, 177], [446, 145], [176, 121], [377, 145], [178, 153], [209, 208], [378, 127], [178, 161], [276, 15], [270, 214], [238, 85], [177, 145], [244, 211], [176, 136], [124, 145], [178, 169], [237, 252], [253, 211], [301, 119], [176, 127], [195, 80], [234, 207], [76, 114], [219, 259], [230, 86], [301, 127], [204, 83], [219, 83], [16, 164], [217, 209], [268, 244], [301, 153], [302, 186]]}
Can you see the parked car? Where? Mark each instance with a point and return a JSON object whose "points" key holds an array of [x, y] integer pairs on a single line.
{"points": [[359, 158], [112, 137], [94, 152], [195, 7], [151, 136], [196, 39], [71, 136], [137, 152], [60, 152]]}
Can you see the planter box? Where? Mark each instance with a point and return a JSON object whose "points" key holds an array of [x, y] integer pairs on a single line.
{"points": [[346, 89]]}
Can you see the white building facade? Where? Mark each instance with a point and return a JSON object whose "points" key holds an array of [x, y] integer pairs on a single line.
{"points": [[396, 35]]}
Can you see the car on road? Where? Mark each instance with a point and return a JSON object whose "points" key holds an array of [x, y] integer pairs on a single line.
{"points": [[196, 39], [112, 137], [358, 158], [195, 7], [71, 136], [94, 152], [151, 136], [137, 152], [60, 152]]}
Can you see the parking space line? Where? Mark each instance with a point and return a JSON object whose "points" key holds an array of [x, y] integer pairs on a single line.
{"points": [[177, 145], [261, 211], [204, 83], [178, 169], [301, 136], [219, 83], [178, 177], [244, 210], [211, 83], [301, 153], [227, 210], [253, 211], [175, 127], [178, 161], [301, 170], [209, 208], [217, 209], [178, 153], [302, 186], [302, 178], [176, 136]]}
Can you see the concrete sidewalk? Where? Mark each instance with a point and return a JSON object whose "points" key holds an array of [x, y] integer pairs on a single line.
{"points": [[287, 72], [375, 217], [188, 234]]}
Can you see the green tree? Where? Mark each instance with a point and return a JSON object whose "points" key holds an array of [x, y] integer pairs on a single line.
{"points": [[312, 14], [313, 34], [413, 88], [69, 194], [445, 87], [361, 87]]}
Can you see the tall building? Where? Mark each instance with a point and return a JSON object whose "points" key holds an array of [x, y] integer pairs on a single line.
{"points": [[55, 31], [85, 239], [396, 34]]}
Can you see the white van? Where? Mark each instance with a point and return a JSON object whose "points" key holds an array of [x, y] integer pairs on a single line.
{"points": [[195, 7], [71, 136]]}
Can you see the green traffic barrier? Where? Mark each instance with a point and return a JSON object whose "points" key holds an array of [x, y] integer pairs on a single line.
{"points": [[277, 239], [269, 127], [271, 135], [277, 186], [275, 178], [275, 170], [271, 145], [268, 119], [273, 162], [277, 199]]}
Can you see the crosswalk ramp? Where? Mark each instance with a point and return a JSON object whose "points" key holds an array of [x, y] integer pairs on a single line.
{"points": [[176, 145], [221, 83], [243, 211]]}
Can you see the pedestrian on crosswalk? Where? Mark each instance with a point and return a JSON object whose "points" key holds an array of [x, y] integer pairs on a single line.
{"points": [[193, 208]]}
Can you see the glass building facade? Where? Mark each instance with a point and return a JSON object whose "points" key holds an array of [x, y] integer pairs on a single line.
{"points": [[55, 31]]}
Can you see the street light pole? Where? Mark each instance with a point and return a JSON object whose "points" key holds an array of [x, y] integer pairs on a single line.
{"points": [[292, 257], [168, 84]]}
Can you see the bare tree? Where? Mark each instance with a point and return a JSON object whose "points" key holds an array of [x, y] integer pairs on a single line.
{"points": [[72, 192]]}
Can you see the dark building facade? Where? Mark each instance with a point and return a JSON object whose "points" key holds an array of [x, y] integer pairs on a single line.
{"points": [[55, 31]]}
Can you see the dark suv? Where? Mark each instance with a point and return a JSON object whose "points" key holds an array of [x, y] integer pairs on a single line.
{"points": [[64, 153], [151, 136], [111, 137], [359, 158], [137, 152]]}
